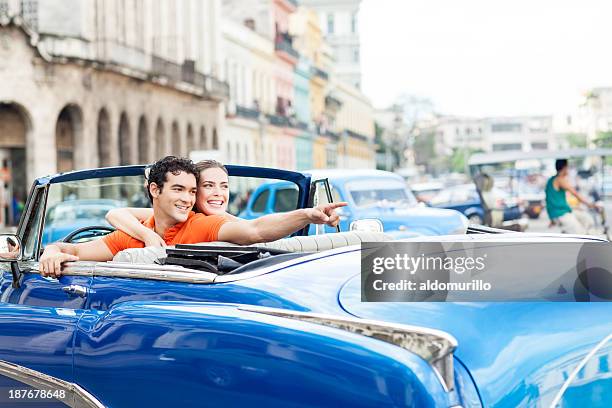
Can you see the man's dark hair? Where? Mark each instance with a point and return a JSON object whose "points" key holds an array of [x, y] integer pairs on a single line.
{"points": [[560, 164], [169, 164]]}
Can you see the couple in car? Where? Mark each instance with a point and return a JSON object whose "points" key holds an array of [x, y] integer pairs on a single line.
{"points": [[174, 186]]}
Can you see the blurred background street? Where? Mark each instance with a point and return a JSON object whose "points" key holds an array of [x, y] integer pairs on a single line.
{"points": [[414, 88]]}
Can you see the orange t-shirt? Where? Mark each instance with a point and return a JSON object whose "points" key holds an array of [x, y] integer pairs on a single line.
{"points": [[197, 228]]}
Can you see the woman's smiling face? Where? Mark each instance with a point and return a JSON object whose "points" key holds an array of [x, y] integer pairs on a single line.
{"points": [[213, 191]]}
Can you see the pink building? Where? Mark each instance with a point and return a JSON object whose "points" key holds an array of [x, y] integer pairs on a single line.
{"points": [[286, 60]]}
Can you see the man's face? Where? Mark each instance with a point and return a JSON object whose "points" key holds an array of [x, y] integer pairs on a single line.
{"points": [[176, 198]]}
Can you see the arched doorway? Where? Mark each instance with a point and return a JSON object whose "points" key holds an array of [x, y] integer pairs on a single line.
{"points": [[68, 131], [215, 140], [191, 143], [160, 140], [177, 148], [145, 148], [203, 141], [125, 147], [104, 139], [14, 128]]}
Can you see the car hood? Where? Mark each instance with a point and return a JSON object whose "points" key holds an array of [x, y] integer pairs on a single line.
{"points": [[504, 345], [422, 220]]}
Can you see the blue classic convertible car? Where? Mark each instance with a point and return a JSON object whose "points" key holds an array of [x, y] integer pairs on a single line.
{"points": [[370, 194], [282, 325]]}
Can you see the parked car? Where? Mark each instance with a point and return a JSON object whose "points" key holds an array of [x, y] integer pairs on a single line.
{"points": [[370, 194], [67, 216], [424, 192], [283, 329], [464, 198]]}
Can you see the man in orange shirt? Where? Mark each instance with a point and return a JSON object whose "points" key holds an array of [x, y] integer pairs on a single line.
{"points": [[172, 188]]}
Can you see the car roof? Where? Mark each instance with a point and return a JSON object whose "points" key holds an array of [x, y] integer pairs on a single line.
{"points": [[478, 159], [138, 170]]}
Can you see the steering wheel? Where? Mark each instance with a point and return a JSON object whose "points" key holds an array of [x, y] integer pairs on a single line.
{"points": [[88, 233]]}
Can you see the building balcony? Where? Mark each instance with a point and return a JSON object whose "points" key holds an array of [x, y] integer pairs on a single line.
{"points": [[278, 120], [283, 46], [210, 86], [284, 121], [332, 103], [247, 113], [215, 88], [356, 135], [301, 125], [168, 69], [320, 73], [334, 136]]}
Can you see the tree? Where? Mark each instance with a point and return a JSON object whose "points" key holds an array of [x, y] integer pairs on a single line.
{"points": [[577, 140], [459, 158], [604, 139], [424, 151]]}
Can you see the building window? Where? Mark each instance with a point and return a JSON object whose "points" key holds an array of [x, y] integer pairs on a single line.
{"points": [[356, 55], [506, 127], [29, 10], [539, 146], [330, 23], [354, 23], [506, 146], [4, 8]]}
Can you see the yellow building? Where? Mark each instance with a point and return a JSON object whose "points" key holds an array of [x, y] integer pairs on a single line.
{"points": [[355, 122]]}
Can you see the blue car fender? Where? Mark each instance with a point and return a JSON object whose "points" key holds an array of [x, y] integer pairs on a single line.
{"points": [[222, 355]]}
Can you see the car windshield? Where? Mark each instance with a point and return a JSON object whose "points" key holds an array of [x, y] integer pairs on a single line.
{"points": [[81, 210], [75, 204], [379, 192]]}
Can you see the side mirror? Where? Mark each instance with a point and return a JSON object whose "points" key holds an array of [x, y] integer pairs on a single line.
{"points": [[367, 224], [11, 249]]}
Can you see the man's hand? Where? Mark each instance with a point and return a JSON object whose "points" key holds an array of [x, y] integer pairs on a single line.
{"points": [[325, 214], [50, 264], [153, 239]]}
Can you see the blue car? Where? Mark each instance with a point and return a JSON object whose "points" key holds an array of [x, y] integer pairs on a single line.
{"points": [[465, 199], [283, 327], [370, 194]]}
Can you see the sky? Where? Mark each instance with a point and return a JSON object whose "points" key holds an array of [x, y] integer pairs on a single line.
{"points": [[486, 57]]}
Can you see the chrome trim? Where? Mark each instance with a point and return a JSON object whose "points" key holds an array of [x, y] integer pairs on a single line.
{"points": [[38, 246], [434, 346], [576, 370], [76, 290], [76, 396], [170, 273]]}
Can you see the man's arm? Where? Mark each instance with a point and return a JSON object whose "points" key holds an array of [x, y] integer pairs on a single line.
{"points": [[129, 220], [50, 263], [566, 185], [275, 226]]}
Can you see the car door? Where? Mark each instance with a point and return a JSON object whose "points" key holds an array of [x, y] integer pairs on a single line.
{"points": [[39, 338], [68, 291]]}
